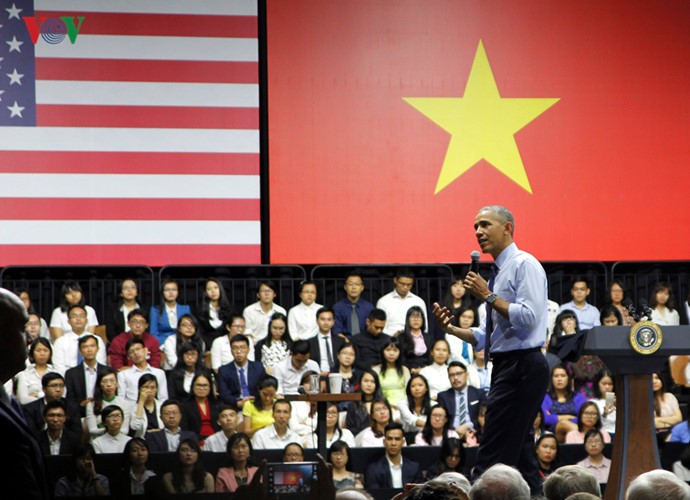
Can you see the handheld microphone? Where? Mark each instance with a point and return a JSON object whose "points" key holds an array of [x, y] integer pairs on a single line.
{"points": [[474, 265]]}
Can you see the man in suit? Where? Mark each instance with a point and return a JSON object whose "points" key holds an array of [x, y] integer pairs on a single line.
{"points": [[237, 380], [325, 346], [391, 470], [53, 387], [23, 474], [80, 380], [168, 439], [55, 439], [461, 401]]}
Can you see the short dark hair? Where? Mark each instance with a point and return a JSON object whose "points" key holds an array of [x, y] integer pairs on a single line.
{"points": [[579, 279], [138, 312], [404, 272], [324, 309], [457, 363], [109, 409], [76, 306], [239, 338], [300, 347], [132, 341], [49, 377], [281, 402], [393, 426], [83, 338], [51, 405], [171, 402], [304, 283], [377, 315]]}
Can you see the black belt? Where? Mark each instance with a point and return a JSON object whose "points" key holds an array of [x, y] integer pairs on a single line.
{"points": [[502, 356]]}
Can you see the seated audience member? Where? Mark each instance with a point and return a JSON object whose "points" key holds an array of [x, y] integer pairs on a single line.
{"points": [[460, 350], [169, 438], [187, 331], [128, 378], [346, 362], [611, 316], [37, 322], [275, 347], [596, 462], [587, 314], [333, 431], [391, 470], [570, 479], [216, 311], [583, 372], [352, 311], [436, 373], [290, 371], [66, 348], [53, 389], [258, 314], [28, 382], [603, 384], [80, 381], [302, 317], [415, 408], [113, 440], [681, 467], [304, 417], [145, 414], [437, 428], [500, 482], [663, 306], [105, 394], [479, 372], [277, 435], [657, 484], [666, 409], [393, 375], [561, 404], [358, 413], [188, 474], [680, 433], [293, 452], [201, 409], [325, 345], [117, 318], [370, 342], [238, 379], [135, 479], [462, 402], [227, 421], [239, 449], [436, 490], [587, 418], [566, 324], [451, 459], [373, 436], [397, 302], [55, 439], [456, 296], [221, 351], [546, 450], [71, 295], [616, 298], [189, 365], [481, 421], [137, 323], [415, 342], [339, 457], [455, 479], [257, 413], [165, 316], [85, 481]]}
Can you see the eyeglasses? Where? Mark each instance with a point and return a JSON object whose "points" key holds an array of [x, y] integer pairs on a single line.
{"points": [[77, 316], [590, 414], [56, 386], [138, 322], [294, 455], [456, 374]]}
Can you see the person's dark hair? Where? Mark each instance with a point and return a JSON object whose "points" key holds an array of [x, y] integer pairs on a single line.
{"points": [[592, 432], [407, 344], [544, 437], [392, 342], [579, 279], [77, 306], [620, 284], [564, 314], [225, 310], [377, 391], [83, 338], [120, 300], [410, 311], [147, 377], [448, 447], [462, 310], [300, 347], [428, 431], [374, 427], [161, 304], [45, 343], [211, 393], [239, 338], [404, 272], [171, 402], [198, 470], [457, 363], [293, 443], [49, 377], [286, 336], [352, 274], [449, 300], [392, 426], [426, 401], [659, 395], [610, 310], [31, 309], [184, 349], [195, 339], [568, 386], [264, 383], [337, 431], [66, 287], [98, 392], [138, 312], [302, 284], [281, 402], [324, 309], [126, 462], [376, 315], [55, 403], [233, 440], [132, 341], [659, 287], [337, 447], [604, 372], [110, 409]]}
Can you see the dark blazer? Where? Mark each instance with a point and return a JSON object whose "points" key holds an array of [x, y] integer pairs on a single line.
{"points": [[191, 417], [176, 383], [158, 443], [33, 414], [410, 359], [315, 344], [75, 383], [229, 382], [474, 396], [69, 442], [378, 474]]}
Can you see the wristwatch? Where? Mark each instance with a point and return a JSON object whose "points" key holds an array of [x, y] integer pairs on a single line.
{"points": [[491, 298]]}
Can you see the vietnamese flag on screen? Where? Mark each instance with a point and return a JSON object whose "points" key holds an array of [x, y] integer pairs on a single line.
{"points": [[392, 121], [292, 478]]}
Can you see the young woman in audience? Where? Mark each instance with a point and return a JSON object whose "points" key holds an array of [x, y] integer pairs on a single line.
{"points": [[587, 418], [28, 385], [188, 474], [436, 373], [71, 294], [333, 431], [663, 305], [357, 418], [187, 331], [189, 365], [240, 471], [165, 316], [25, 297], [666, 409], [456, 296], [436, 429], [372, 436], [135, 479], [561, 404], [603, 384], [200, 412], [596, 462], [415, 343], [393, 375], [460, 350], [615, 299], [276, 346], [114, 438], [339, 457], [146, 413], [346, 362], [302, 317], [452, 459], [128, 292], [546, 449], [32, 330], [105, 394], [84, 481], [215, 311], [258, 413], [415, 408], [611, 316]]}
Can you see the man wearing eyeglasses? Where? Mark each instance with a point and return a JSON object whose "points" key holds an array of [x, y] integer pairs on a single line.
{"points": [[237, 380], [137, 320]]}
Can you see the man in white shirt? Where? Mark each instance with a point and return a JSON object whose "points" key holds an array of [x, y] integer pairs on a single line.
{"points": [[66, 349], [397, 302], [113, 441], [128, 378], [258, 314], [227, 419], [587, 314], [221, 352], [289, 371], [391, 471], [302, 318], [278, 435]]}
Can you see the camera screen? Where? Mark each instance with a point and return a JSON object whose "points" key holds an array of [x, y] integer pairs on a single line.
{"points": [[290, 478]]}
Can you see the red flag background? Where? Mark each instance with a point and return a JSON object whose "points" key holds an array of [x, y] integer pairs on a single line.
{"points": [[353, 167]]}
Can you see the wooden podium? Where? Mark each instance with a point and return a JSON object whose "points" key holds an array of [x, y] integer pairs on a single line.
{"points": [[635, 447], [322, 399]]}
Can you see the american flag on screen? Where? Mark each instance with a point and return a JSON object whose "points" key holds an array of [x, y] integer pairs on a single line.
{"points": [[136, 144]]}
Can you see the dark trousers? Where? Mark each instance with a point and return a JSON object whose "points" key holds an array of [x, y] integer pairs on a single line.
{"points": [[518, 385]]}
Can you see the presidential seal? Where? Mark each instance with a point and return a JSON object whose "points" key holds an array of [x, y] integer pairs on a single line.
{"points": [[646, 337]]}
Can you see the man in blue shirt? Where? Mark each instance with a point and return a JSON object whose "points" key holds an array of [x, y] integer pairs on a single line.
{"points": [[587, 314], [512, 335], [351, 313]]}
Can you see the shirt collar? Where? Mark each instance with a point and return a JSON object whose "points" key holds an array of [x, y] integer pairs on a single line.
{"points": [[505, 255]]}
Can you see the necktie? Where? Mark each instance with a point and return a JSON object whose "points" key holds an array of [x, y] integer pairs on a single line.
{"points": [[243, 384], [489, 318], [328, 351], [354, 320], [465, 352], [462, 410]]}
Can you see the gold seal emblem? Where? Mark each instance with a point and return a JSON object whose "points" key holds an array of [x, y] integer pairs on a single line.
{"points": [[646, 337]]}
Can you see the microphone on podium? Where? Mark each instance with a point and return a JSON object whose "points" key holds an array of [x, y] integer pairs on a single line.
{"points": [[474, 265]]}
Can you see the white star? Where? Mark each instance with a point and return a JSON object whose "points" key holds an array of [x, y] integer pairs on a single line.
{"points": [[1, 58], [16, 110], [1, 92], [14, 12], [15, 77], [14, 44]]}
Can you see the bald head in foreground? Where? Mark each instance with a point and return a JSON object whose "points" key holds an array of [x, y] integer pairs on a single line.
{"points": [[657, 484]]}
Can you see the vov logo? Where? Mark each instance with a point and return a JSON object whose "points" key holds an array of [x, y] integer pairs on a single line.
{"points": [[53, 29]]}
